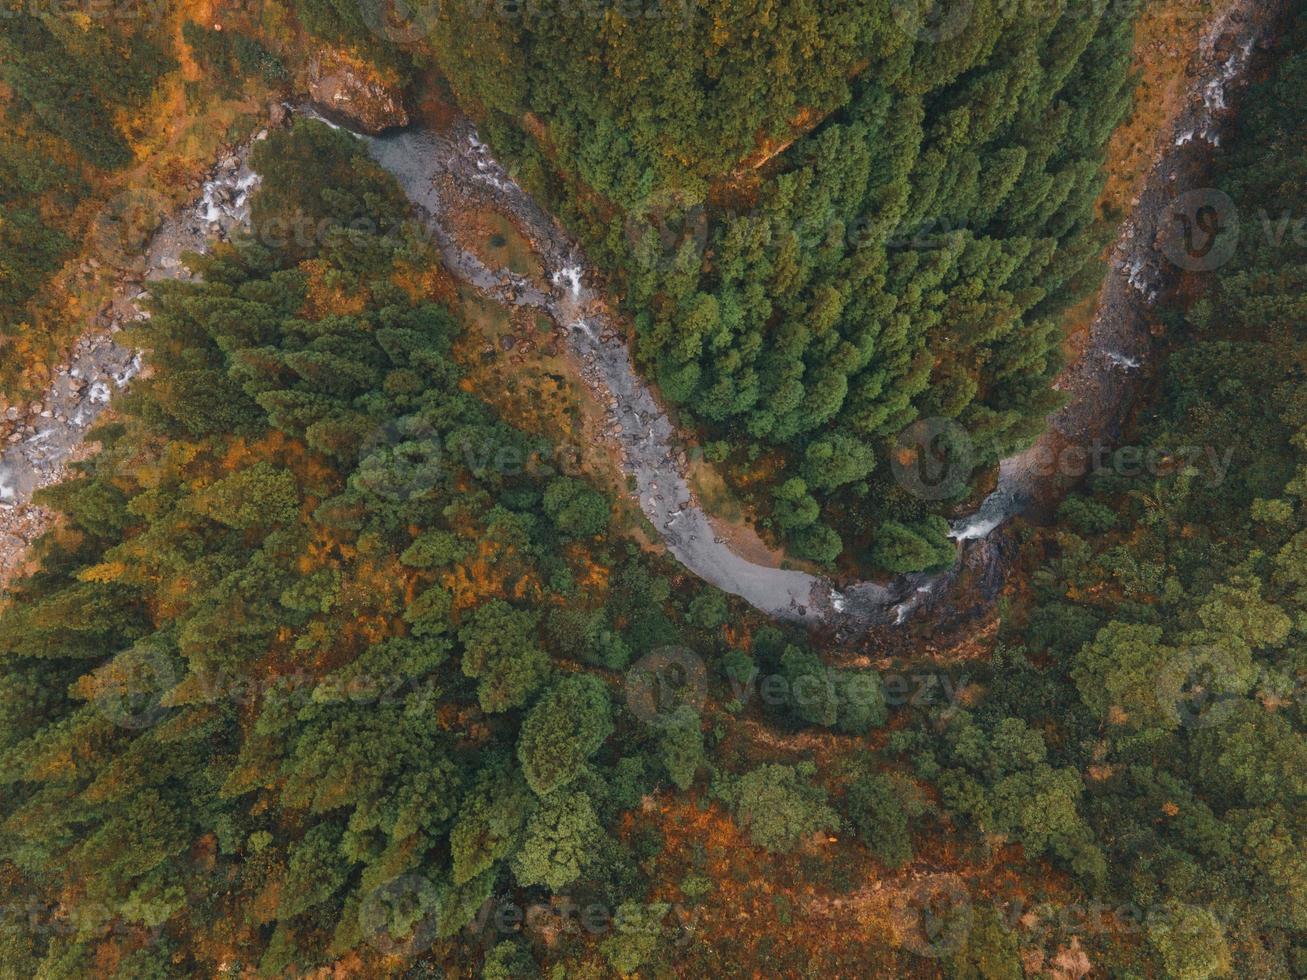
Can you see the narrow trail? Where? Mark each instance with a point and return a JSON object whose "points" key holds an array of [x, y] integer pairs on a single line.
{"points": [[435, 169]]}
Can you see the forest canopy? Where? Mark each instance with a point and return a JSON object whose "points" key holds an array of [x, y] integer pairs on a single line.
{"points": [[1162, 655], [291, 636], [301, 679], [823, 230]]}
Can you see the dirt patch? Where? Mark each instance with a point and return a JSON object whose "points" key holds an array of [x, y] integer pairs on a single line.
{"points": [[435, 109], [732, 522], [828, 908], [496, 241]]}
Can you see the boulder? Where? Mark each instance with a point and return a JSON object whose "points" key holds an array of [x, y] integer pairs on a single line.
{"points": [[347, 88]]}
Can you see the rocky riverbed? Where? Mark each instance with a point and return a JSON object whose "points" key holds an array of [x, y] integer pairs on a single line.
{"points": [[440, 171], [47, 435], [434, 170], [1102, 382]]}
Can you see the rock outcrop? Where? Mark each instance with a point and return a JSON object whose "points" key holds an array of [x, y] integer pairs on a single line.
{"points": [[349, 89]]}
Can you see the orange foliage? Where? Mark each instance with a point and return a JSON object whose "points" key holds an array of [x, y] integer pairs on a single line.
{"points": [[762, 902], [325, 294], [267, 902], [426, 281], [490, 573], [590, 577]]}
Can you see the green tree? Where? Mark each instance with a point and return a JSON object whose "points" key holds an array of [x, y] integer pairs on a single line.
{"points": [[812, 692], [260, 496], [578, 510], [562, 730], [1190, 942], [315, 872], [637, 932], [779, 807], [923, 547], [795, 508], [680, 746], [990, 951], [708, 609], [559, 842], [489, 821], [880, 808], [837, 460], [500, 652], [509, 960]]}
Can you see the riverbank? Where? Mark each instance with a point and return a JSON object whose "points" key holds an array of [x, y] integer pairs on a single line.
{"points": [[1102, 382], [50, 435], [434, 169], [1105, 380]]}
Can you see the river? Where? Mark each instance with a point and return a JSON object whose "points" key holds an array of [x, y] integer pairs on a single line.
{"points": [[1101, 382]]}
